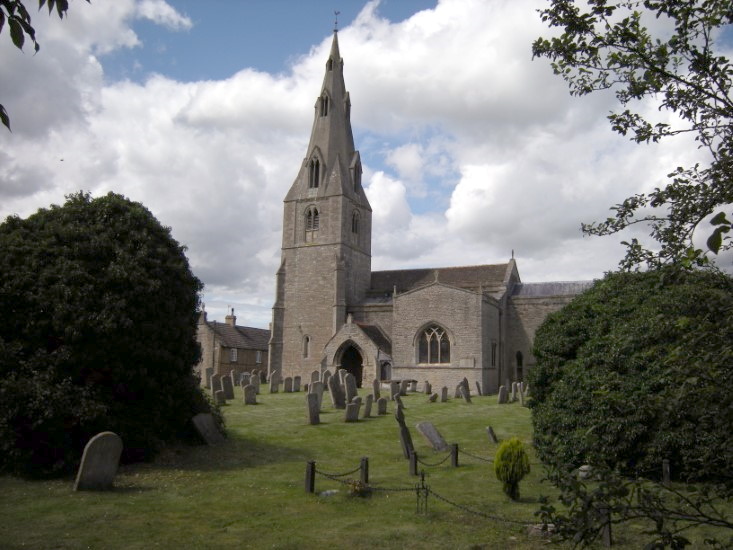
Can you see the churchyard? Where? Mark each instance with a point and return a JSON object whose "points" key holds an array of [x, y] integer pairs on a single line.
{"points": [[249, 492]]}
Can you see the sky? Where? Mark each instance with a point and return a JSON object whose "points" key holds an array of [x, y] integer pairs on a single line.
{"points": [[472, 151]]}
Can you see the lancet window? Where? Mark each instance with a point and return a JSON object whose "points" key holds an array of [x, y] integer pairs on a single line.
{"points": [[433, 346]]}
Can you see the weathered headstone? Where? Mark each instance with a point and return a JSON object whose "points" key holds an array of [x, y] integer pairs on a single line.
{"points": [[492, 435], [394, 388], [208, 373], [215, 384], [465, 394], [220, 397], [245, 378], [338, 399], [234, 375], [427, 388], [352, 412], [432, 435], [444, 394], [314, 415], [324, 378], [99, 463], [478, 389], [457, 394], [368, 406], [350, 387], [376, 387], [412, 386], [296, 383], [315, 376], [405, 437], [398, 401], [502, 396], [228, 387], [250, 395], [274, 382], [288, 384], [254, 380], [521, 398], [465, 384], [382, 405], [403, 387], [207, 428], [341, 373], [433, 398], [513, 396]]}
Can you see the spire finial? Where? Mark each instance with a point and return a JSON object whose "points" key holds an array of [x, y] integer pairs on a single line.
{"points": [[336, 22]]}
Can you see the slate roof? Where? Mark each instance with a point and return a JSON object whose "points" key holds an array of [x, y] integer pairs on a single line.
{"points": [[471, 276], [241, 337], [377, 336], [562, 288]]}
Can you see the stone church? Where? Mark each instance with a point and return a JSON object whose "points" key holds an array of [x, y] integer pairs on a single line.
{"points": [[332, 311]]}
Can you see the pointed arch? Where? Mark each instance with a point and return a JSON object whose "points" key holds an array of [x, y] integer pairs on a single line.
{"points": [[324, 104], [314, 173], [355, 222], [312, 222], [433, 345]]}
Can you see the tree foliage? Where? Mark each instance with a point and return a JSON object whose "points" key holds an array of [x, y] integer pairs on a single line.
{"points": [[97, 333], [668, 51], [18, 19], [634, 371], [511, 464]]}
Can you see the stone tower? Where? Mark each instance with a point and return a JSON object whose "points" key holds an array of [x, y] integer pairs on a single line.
{"points": [[326, 246]]}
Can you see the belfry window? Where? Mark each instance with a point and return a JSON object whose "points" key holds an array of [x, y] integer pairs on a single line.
{"points": [[314, 173], [433, 346], [329, 64], [355, 223], [324, 106], [312, 219]]}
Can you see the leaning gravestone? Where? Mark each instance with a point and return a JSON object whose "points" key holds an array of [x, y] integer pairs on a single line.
{"points": [[99, 463], [464, 383], [376, 387], [368, 406], [250, 395], [350, 387], [382, 405], [288, 384], [492, 435], [502, 397], [394, 388], [405, 437], [317, 388], [513, 396], [431, 433], [338, 399], [433, 398], [352, 411], [465, 394], [444, 394], [228, 387], [478, 389], [325, 377], [296, 383], [207, 428], [215, 384], [314, 416], [457, 394]]}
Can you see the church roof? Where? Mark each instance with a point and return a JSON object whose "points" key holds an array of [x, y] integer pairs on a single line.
{"points": [[240, 337], [378, 337], [471, 276], [560, 288]]}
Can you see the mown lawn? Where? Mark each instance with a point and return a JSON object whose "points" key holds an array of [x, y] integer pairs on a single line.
{"points": [[249, 492]]}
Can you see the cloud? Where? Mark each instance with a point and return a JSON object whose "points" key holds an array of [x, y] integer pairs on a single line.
{"points": [[162, 13]]}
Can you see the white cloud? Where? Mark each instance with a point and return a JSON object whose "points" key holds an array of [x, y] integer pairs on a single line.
{"points": [[162, 13]]}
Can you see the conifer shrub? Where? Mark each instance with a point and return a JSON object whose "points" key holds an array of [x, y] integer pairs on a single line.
{"points": [[511, 464]]}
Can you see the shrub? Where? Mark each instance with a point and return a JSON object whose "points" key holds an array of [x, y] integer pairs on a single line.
{"points": [[511, 464], [97, 333]]}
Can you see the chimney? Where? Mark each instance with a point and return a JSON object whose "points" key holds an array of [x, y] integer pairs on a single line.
{"points": [[231, 319]]}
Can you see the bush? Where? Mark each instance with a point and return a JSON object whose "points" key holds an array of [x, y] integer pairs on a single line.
{"points": [[97, 333], [511, 464], [636, 370]]}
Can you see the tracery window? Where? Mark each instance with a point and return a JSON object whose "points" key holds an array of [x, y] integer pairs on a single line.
{"points": [[314, 173], [312, 219], [433, 346]]}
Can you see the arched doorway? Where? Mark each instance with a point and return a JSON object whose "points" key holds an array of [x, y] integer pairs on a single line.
{"points": [[351, 361]]}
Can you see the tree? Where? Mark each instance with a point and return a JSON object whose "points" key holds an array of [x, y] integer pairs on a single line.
{"points": [[666, 51], [18, 19], [634, 371], [511, 464], [97, 333]]}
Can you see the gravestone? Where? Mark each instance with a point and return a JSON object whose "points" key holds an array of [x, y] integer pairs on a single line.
{"points": [[412, 386], [513, 396], [432, 435], [521, 398], [341, 373], [207, 428], [433, 398], [398, 401], [376, 387], [502, 396], [382, 405], [338, 399], [405, 437], [368, 406], [246, 376], [457, 394], [478, 389], [220, 397], [228, 387], [317, 388], [465, 394], [492, 435], [403, 387], [350, 387], [254, 380], [394, 389], [99, 463], [314, 416], [274, 382], [215, 384], [234, 375], [352, 411], [427, 388], [208, 373], [288, 385], [250, 395], [325, 377], [296, 383], [305, 388], [464, 383], [444, 394], [315, 376]]}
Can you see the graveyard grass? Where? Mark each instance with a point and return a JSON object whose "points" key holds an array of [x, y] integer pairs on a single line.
{"points": [[249, 491]]}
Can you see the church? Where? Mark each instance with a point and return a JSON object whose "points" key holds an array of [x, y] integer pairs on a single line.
{"points": [[333, 312]]}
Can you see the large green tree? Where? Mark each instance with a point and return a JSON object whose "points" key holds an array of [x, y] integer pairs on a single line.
{"points": [[671, 53], [97, 333]]}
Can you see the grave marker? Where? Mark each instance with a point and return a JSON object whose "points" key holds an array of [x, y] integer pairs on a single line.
{"points": [[314, 416], [228, 387], [207, 428], [382, 405], [250, 395], [99, 463], [432, 435]]}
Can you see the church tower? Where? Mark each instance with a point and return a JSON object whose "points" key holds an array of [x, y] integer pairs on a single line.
{"points": [[326, 245]]}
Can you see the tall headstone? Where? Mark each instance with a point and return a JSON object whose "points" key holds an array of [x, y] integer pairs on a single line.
{"points": [[234, 375], [337, 394], [465, 384], [315, 376], [432, 435], [215, 384], [350, 387], [502, 396], [99, 463], [465, 394], [314, 415], [317, 388], [458, 393], [250, 395], [492, 435], [254, 380], [341, 373], [394, 389], [368, 406], [405, 438], [324, 378], [427, 388], [288, 384], [444, 394], [296, 383], [513, 396], [274, 382], [228, 387], [220, 397], [376, 387], [382, 405]]}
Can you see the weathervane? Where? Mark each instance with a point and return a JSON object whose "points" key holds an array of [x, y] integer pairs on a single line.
{"points": [[336, 22]]}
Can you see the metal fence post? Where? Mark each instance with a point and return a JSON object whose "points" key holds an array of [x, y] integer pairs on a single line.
{"points": [[310, 476], [454, 455]]}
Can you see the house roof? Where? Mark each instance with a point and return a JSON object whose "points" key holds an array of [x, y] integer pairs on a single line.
{"points": [[471, 276], [241, 337], [561, 288]]}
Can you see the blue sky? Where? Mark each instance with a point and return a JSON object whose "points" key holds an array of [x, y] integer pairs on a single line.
{"points": [[202, 111]]}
